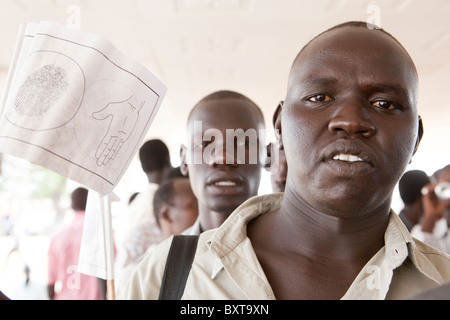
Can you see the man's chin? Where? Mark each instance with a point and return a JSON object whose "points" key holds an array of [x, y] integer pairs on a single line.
{"points": [[224, 206]]}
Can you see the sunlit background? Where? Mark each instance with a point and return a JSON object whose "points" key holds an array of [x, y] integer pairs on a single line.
{"points": [[196, 47]]}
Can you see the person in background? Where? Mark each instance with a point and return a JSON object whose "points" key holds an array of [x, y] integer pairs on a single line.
{"points": [[410, 188], [64, 281], [175, 173], [138, 230], [222, 184], [175, 209], [434, 229], [277, 167], [175, 206]]}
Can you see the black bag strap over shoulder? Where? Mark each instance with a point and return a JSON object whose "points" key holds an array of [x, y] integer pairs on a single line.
{"points": [[178, 266]]}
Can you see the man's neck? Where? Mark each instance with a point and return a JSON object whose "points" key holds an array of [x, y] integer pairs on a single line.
{"points": [[210, 219], [316, 234], [157, 176]]}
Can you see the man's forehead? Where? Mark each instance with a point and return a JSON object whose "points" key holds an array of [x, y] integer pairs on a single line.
{"points": [[348, 46], [347, 39], [231, 113]]}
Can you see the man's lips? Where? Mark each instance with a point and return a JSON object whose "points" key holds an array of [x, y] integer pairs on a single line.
{"points": [[225, 183], [349, 158], [350, 152], [224, 179]]}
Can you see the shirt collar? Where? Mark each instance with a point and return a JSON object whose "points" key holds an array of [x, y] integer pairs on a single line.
{"points": [[396, 240], [234, 229], [422, 263]]}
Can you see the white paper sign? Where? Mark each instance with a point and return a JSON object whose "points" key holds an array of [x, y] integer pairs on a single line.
{"points": [[97, 251], [75, 105]]}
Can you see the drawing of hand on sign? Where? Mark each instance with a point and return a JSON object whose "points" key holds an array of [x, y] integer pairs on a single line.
{"points": [[122, 117]]}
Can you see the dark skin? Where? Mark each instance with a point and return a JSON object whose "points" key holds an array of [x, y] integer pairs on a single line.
{"points": [[216, 202], [349, 127], [179, 215]]}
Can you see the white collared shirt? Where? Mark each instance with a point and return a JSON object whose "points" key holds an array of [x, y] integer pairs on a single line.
{"points": [[226, 267]]}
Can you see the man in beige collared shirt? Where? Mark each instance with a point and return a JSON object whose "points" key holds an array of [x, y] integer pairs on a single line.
{"points": [[349, 126]]}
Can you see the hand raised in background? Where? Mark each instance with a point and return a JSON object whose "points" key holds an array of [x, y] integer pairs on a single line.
{"points": [[123, 117], [433, 208]]}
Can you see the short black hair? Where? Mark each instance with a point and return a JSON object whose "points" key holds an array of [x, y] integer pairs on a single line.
{"points": [[154, 155], [228, 94], [164, 195], [411, 184], [79, 199]]}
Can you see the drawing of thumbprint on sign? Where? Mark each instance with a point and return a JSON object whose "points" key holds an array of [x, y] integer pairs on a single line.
{"points": [[47, 93], [41, 90], [122, 118]]}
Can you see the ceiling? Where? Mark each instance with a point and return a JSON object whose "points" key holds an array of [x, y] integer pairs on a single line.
{"points": [[199, 46]]}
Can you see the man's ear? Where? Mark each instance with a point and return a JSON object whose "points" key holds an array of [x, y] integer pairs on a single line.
{"points": [[164, 214], [419, 135], [276, 121], [183, 165]]}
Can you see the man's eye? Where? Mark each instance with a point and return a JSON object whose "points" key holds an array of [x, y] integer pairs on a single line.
{"points": [[386, 105], [320, 98]]}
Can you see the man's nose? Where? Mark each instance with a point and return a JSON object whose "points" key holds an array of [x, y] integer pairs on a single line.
{"points": [[352, 117], [223, 156]]}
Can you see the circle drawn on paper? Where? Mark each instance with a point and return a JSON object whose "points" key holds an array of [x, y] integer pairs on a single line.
{"points": [[49, 94]]}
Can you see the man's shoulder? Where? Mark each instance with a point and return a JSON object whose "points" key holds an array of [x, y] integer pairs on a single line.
{"points": [[257, 205]]}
